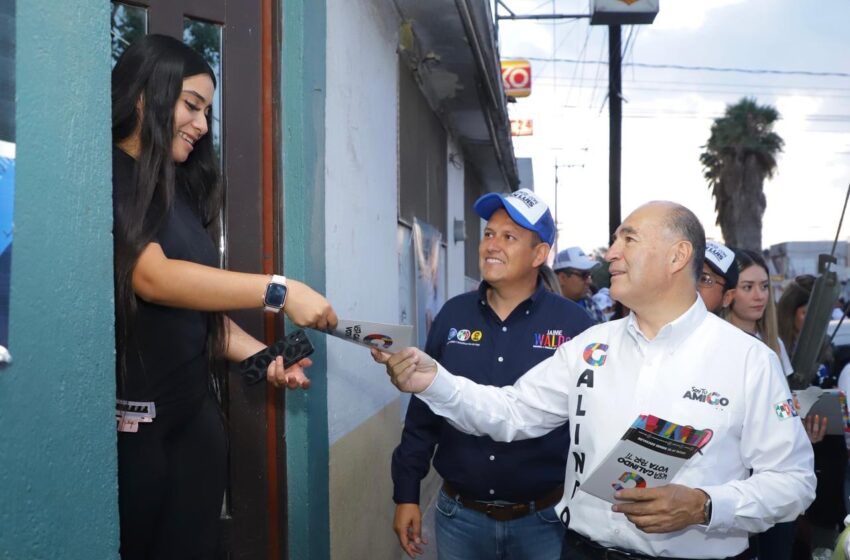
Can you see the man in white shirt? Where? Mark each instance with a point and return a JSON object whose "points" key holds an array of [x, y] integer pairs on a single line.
{"points": [[660, 360]]}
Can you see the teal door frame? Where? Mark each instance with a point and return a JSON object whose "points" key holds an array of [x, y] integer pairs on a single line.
{"points": [[302, 75], [57, 400]]}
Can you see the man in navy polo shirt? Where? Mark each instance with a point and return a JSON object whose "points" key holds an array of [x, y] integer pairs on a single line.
{"points": [[497, 498]]}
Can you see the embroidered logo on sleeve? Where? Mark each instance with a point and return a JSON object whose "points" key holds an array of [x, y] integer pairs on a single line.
{"points": [[785, 409], [595, 354]]}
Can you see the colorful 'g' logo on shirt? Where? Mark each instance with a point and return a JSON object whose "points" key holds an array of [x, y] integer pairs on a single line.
{"points": [[623, 482], [378, 340], [463, 335], [595, 354]]}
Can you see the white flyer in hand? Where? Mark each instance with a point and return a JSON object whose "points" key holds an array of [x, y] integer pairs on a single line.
{"points": [[388, 338]]}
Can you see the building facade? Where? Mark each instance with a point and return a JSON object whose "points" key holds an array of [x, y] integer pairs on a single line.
{"points": [[354, 137]]}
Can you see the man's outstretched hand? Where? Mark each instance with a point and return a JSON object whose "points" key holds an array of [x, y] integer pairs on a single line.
{"points": [[411, 369]]}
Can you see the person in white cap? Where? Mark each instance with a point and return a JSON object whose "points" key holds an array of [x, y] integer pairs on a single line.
{"points": [[604, 302], [669, 358], [574, 269], [719, 275]]}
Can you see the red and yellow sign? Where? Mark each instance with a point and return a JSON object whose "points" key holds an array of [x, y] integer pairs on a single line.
{"points": [[516, 77], [522, 127]]}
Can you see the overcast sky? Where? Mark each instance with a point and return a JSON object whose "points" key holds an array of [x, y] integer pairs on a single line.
{"points": [[668, 113]]}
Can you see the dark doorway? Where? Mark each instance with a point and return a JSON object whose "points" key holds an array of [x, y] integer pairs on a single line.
{"points": [[236, 38]]}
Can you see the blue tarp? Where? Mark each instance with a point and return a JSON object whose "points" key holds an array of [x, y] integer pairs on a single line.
{"points": [[7, 201]]}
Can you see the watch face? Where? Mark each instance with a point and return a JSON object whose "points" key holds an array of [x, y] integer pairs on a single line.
{"points": [[275, 295]]}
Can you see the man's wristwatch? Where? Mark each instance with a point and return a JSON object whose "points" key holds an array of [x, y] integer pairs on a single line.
{"points": [[706, 509], [275, 296]]}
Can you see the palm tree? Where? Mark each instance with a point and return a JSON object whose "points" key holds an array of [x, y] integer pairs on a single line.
{"points": [[740, 154]]}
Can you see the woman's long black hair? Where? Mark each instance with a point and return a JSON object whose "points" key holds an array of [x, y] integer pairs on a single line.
{"points": [[146, 84]]}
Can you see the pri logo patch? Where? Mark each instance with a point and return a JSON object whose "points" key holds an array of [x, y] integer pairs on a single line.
{"points": [[595, 354], [785, 409], [708, 397]]}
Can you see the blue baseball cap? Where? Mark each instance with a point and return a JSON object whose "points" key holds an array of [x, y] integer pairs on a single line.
{"points": [[524, 207]]}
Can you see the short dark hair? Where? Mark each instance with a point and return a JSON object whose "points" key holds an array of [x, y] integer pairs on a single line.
{"points": [[687, 226]]}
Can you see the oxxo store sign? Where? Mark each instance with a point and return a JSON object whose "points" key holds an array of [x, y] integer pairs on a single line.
{"points": [[516, 78]]}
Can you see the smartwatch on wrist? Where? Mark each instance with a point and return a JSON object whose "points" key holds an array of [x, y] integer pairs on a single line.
{"points": [[275, 296]]}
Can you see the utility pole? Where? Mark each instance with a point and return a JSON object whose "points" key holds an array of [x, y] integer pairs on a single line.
{"points": [[615, 125], [613, 18], [557, 224]]}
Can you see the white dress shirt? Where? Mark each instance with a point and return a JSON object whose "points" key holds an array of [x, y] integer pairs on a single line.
{"points": [[699, 371], [784, 358]]}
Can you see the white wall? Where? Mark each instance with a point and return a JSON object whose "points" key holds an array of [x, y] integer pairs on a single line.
{"points": [[361, 199], [455, 252]]}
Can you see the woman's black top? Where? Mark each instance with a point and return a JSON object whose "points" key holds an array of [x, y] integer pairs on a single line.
{"points": [[166, 347]]}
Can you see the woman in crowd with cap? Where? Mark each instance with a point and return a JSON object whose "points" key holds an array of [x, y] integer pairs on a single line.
{"points": [[604, 302], [171, 331]]}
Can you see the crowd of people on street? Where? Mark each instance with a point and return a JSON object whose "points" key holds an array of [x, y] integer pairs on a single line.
{"points": [[514, 419], [697, 315]]}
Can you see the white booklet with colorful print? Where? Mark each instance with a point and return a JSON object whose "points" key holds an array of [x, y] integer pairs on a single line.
{"points": [[387, 338], [649, 454]]}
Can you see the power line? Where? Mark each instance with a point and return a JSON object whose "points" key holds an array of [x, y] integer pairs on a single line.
{"points": [[699, 68], [581, 57], [598, 69], [539, 76], [702, 91], [639, 114]]}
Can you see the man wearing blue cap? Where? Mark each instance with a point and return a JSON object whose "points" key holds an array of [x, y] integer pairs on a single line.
{"points": [[497, 498], [755, 469]]}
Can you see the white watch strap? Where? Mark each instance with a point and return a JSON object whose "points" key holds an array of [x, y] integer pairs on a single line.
{"points": [[276, 279]]}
